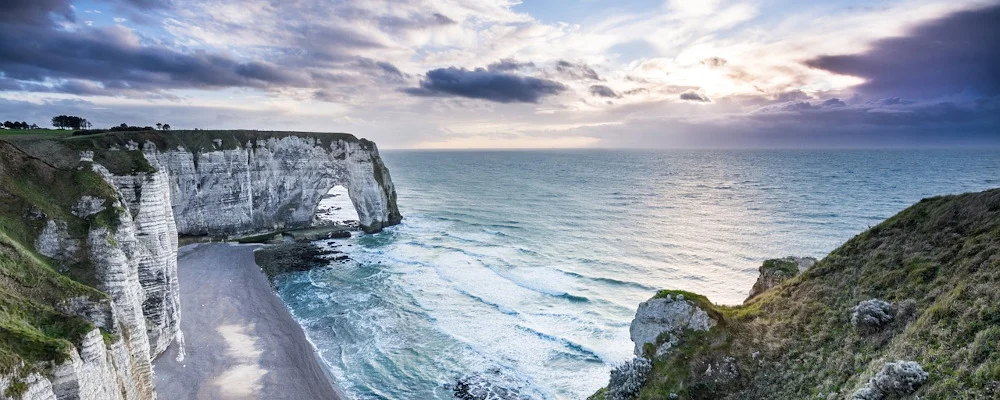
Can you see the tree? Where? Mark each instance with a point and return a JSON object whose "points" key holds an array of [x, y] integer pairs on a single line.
{"points": [[8, 125], [34, 126], [68, 121], [166, 127], [159, 125]]}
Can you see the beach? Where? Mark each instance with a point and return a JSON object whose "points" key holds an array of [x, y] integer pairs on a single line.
{"points": [[240, 340]]}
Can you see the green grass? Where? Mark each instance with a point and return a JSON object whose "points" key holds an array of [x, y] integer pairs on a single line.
{"points": [[35, 132], [937, 261], [32, 330]]}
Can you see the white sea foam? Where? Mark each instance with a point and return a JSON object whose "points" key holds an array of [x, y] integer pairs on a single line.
{"points": [[532, 264]]}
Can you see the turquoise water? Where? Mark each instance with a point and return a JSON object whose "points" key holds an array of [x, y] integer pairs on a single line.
{"points": [[525, 268]]}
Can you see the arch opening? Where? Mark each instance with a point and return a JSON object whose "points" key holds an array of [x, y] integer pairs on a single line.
{"points": [[335, 208]]}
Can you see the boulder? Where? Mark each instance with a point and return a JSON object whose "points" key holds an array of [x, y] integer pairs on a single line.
{"points": [[898, 378], [870, 315]]}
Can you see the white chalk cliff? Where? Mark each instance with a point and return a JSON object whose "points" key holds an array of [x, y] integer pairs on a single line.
{"points": [[224, 183]]}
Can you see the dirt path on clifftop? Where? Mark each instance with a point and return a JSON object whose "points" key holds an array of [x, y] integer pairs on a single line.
{"points": [[241, 342]]}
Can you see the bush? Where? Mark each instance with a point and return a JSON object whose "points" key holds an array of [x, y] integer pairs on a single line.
{"points": [[628, 378], [871, 314], [898, 378]]}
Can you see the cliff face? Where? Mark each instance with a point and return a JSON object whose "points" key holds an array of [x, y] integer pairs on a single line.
{"points": [[906, 310], [107, 210], [273, 183]]}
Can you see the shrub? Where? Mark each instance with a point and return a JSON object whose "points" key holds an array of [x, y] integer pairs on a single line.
{"points": [[628, 378], [871, 314], [898, 378]]}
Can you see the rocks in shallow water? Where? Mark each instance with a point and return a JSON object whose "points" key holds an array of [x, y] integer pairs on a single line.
{"points": [[778, 270], [898, 378], [872, 314], [282, 258], [671, 314], [492, 384], [628, 378]]}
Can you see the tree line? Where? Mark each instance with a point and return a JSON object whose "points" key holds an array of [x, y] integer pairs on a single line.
{"points": [[82, 127], [124, 128], [19, 125]]}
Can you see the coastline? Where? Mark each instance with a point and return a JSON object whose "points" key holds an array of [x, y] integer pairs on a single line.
{"points": [[241, 340]]}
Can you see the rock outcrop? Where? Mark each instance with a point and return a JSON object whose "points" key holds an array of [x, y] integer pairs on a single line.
{"points": [[662, 320], [122, 201], [777, 270]]}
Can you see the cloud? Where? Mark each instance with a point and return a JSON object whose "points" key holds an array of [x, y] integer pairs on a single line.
{"points": [[714, 62], [956, 54], [482, 84], [603, 91], [695, 96], [117, 61], [35, 12], [834, 102], [579, 71], [382, 68], [508, 65], [114, 56]]}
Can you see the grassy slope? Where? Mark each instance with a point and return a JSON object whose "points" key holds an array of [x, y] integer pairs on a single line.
{"points": [[31, 329], [938, 261], [35, 132]]}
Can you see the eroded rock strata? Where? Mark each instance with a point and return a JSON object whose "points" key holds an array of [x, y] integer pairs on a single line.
{"points": [[107, 209]]}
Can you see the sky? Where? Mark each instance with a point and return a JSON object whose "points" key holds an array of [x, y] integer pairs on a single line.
{"points": [[518, 74]]}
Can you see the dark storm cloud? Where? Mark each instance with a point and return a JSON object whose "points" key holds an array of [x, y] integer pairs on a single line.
{"points": [[603, 91], [938, 81], [509, 65], [948, 115], [956, 54], [483, 84], [111, 55], [695, 96], [34, 12], [40, 55], [579, 71]]}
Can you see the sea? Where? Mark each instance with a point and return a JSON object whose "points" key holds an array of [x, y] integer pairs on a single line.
{"points": [[521, 271]]}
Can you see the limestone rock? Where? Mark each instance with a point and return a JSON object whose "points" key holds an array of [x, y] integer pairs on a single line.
{"points": [[56, 242], [628, 378], [775, 271], [273, 183], [87, 206], [669, 315]]}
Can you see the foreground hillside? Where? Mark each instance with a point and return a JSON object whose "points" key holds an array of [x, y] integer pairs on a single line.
{"points": [[929, 278]]}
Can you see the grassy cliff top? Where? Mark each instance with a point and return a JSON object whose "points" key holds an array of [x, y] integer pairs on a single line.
{"points": [[111, 148], [937, 262]]}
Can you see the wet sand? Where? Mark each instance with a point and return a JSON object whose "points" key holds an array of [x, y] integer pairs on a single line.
{"points": [[240, 340]]}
